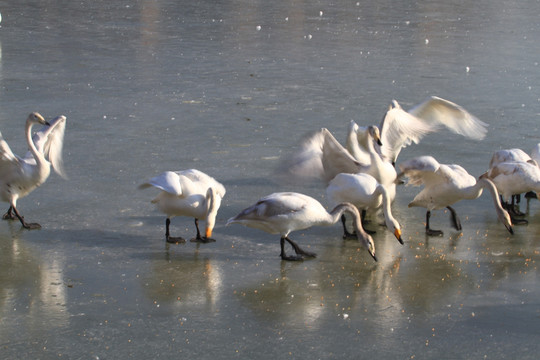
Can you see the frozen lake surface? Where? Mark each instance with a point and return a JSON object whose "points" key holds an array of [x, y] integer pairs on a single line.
{"points": [[229, 88]]}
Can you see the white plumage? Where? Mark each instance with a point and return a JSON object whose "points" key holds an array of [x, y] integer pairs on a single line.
{"points": [[189, 193], [20, 176], [445, 185], [364, 192], [284, 212]]}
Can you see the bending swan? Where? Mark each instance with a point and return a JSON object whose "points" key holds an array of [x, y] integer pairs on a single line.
{"points": [[364, 192], [445, 185], [20, 176], [284, 212], [189, 193]]}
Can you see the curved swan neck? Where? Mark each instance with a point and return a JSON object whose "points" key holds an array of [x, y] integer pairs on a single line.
{"points": [[212, 205], [487, 184], [381, 190], [31, 146], [336, 213]]}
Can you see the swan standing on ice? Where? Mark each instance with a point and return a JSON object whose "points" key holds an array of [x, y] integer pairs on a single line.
{"points": [[20, 176], [364, 192], [515, 177], [445, 185], [284, 212], [189, 193]]}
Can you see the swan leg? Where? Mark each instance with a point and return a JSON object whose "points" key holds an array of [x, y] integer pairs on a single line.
{"points": [[456, 223], [24, 223], [170, 239], [299, 252], [9, 214], [429, 231], [515, 208], [199, 238]]}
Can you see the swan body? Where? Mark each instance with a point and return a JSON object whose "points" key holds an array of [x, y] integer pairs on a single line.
{"points": [[190, 193], [508, 155], [366, 193], [284, 212], [445, 185], [514, 177], [20, 176]]}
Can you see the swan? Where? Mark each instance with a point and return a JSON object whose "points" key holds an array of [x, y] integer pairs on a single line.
{"points": [[514, 177], [20, 176], [284, 212], [364, 192], [445, 185], [510, 155], [189, 193], [323, 157], [400, 128]]}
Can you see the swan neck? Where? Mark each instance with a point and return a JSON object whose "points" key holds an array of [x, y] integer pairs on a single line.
{"points": [[31, 146], [381, 190], [487, 184], [351, 209]]}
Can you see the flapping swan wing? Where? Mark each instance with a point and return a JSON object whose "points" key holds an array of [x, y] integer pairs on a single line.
{"points": [[321, 156], [9, 162], [440, 111], [399, 129], [49, 140]]}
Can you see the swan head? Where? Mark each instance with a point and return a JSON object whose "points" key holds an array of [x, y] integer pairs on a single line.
{"points": [[375, 134], [36, 118], [213, 202], [370, 246], [396, 230], [506, 220]]}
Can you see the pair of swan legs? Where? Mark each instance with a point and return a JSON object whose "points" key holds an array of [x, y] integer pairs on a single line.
{"points": [[13, 214], [513, 208], [299, 252], [178, 240], [456, 223]]}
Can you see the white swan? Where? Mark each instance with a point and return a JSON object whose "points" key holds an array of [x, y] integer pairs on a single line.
{"points": [[284, 212], [321, 156], [445, 185], [189, 193], [20, 176], [515, 177], [400, 128], [364, 192], [510, 155]]}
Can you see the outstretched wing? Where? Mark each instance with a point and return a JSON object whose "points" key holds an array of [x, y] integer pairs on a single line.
{"points": [[49, 140], [320, 156], [399, 129], [440, 111], [9, 162]]}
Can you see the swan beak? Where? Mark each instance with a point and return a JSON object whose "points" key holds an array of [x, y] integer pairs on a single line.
{"points": [[47, 123], [397, 234], [208, 232], [509, 228], [373, 256]]}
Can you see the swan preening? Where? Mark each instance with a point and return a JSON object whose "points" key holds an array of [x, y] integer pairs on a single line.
{"points": [[284, 212], [445, 185], [189, 193], [20, 176]]}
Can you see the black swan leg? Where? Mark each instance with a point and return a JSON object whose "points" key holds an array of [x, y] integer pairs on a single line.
{"points": [[429, 231], [168, 237]]}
